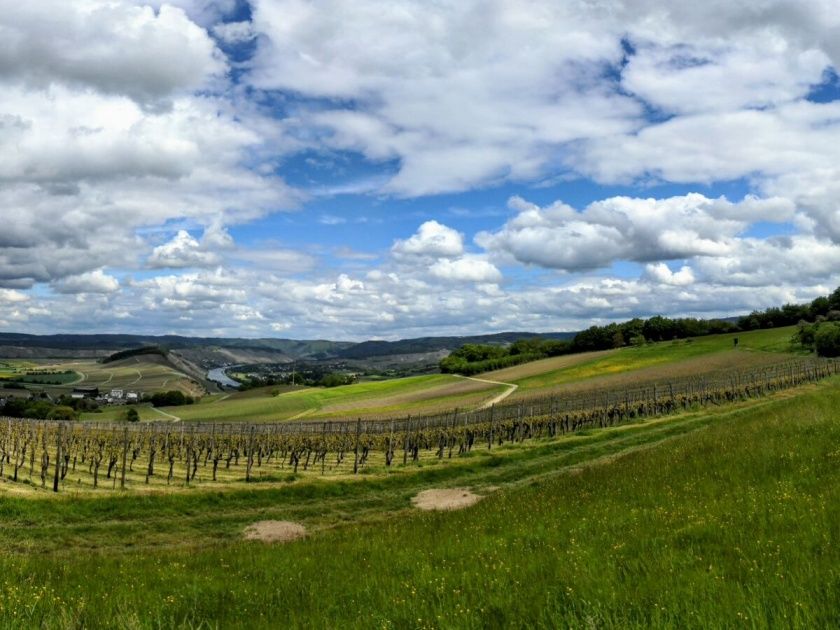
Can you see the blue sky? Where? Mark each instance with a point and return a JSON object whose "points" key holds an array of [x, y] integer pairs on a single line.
{"points": [[359, 170]]}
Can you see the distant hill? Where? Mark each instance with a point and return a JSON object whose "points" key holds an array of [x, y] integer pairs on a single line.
{"points": [[216, 351], [106, 344], [367, 349]]}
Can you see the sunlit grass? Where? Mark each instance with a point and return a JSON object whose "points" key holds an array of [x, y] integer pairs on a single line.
{"points": [[657, 524]]}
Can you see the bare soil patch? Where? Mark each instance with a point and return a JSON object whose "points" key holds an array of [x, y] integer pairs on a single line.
{"points": [[275, 531], [445, 499]]}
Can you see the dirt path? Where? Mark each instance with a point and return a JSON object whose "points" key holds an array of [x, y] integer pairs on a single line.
{"points": [[306, 412], [138, 379], [168, 415], [81, 379], [512, 387]]}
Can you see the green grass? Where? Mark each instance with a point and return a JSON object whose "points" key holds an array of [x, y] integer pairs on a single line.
{"points": [[711, 519], [431, 393], [116, 413], [655, 354], [404, 395], [59, 378], [12, 368]]}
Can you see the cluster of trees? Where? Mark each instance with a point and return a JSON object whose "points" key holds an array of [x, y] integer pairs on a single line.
{"points": [[823, 307], [304, 374], [473, 358], [134, 352], [820, 335], [173, 398], [40, 409], [639, 331]]}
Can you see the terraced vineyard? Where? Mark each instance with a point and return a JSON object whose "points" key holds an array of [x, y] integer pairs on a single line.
{"points": [[140, 374]]}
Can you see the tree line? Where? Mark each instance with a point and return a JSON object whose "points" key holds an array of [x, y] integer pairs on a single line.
{"points": [[817, 319]]}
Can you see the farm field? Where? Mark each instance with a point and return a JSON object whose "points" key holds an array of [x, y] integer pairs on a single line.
{"points": [[434, 393], [754, 348], [140, 374], [416, 394], [14, 367], [720, 517]]}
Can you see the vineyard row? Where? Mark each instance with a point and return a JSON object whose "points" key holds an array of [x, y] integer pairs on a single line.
{"points": [[93, 455]]}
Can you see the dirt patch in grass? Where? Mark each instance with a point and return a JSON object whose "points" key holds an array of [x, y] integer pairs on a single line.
{"points": [[275, 531], [445, 499]]}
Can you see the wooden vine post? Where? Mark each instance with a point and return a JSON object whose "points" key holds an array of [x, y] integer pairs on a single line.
{"points": [[406, 440], [124, 455], [250, 461], [57, 476], [356, 446]]}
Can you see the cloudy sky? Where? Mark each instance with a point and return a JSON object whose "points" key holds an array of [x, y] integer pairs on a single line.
{"points": [[395, 168]]}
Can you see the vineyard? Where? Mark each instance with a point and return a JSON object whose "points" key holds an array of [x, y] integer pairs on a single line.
{"points": [[92, 456]]}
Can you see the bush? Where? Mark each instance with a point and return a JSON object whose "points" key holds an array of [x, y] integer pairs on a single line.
{"points": [[172, 398], [805, 334], [335, 379], [131, 415], [827, 340], [62, 412]]}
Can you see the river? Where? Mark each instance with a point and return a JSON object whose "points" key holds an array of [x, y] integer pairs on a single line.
{"points": [[219, 376]]}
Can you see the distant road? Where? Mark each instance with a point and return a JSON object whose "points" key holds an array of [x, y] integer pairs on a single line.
{"points": [[168, 415], [512, 387]]}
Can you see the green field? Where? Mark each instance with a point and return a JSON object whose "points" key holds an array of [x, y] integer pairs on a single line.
{"points": [[140, 374], [713, 517], [705, 519], [753, 348], [442, 392], [415, 394]]}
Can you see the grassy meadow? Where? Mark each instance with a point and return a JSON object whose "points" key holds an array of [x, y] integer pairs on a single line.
{"points": [[718, 518], [416, 394], [656, 361]]}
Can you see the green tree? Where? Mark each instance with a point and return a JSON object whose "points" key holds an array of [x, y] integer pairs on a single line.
{"points": [[827, 339], [62, 412]]}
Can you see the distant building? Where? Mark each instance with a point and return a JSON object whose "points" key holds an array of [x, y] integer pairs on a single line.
{"points": [[116, 394], [132, 397], [85, 392]]}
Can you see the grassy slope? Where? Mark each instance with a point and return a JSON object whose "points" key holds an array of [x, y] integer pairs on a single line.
{"points": [[404, 395], [558, 371], [444, 392], [713, 519]]}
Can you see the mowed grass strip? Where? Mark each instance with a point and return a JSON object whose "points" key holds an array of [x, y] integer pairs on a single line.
{"points": [[736, 524]]}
